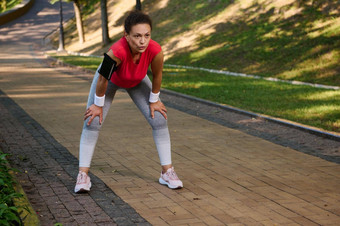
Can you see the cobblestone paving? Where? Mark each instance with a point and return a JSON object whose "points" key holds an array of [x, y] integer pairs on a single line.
{"points": [[48, 173], [236, 170]]}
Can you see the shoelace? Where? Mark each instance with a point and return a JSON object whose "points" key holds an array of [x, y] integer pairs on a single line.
{"points": [[81, 179], [172, 175]]}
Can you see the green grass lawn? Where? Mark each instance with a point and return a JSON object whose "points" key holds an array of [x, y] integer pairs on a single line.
{"points": [[303, 104]]}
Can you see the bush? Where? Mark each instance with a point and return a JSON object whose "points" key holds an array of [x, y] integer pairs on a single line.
{"points": [[9, 214], [8, 4]]}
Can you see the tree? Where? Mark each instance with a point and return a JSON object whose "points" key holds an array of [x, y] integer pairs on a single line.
{"points": [[138, 5], [61, 28], [79, 20], [105, 30]]}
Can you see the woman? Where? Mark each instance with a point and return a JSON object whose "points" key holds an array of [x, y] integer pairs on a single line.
{"points": [[127, 62]]}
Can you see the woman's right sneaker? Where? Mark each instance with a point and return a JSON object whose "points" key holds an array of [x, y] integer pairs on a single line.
{"points": [[170, 179], [83, 183]]}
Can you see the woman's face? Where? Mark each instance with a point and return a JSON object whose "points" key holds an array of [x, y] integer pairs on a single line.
{"points": [[139, 37]]}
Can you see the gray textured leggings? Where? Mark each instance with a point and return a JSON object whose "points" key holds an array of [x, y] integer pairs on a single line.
{"points": [[140, 96]]}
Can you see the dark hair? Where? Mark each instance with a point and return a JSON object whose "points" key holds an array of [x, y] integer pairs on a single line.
{"points": [[136, 17]]}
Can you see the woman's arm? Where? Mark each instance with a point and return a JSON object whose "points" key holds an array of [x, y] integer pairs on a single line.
{"points": [[101, 87], [157, 71], [102, 82]]}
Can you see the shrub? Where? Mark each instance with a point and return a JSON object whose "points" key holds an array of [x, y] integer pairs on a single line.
{"points": [[9, 214]]}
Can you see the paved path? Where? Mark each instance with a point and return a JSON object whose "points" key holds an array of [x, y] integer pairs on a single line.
{"points": [[230, 176]]}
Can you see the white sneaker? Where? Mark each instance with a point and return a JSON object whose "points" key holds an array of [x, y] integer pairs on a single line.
{"points": [[170, 179], [83, 183]]}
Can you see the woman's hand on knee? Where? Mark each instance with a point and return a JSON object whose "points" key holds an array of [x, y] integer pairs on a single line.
{"points": [[158, 106], [93, 111]]}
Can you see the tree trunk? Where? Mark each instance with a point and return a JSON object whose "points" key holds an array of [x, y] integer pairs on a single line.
{"points": [[138, 5], [79, 20], [61, 28], [105, 30]]}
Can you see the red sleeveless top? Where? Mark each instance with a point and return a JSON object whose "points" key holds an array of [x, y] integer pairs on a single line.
{"points": [[128, 73]]}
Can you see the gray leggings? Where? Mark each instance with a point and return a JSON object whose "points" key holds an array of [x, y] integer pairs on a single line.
{"points": [[140, 96]]}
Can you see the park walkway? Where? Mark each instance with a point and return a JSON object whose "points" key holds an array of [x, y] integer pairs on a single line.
{"points": [[230, 177]]}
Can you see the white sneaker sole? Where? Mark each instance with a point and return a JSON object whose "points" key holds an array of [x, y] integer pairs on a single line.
{"points": [[161, 181], [83, 190]]}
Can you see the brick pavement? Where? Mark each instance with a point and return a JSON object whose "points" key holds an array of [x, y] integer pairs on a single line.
{"points": [[230, 177], [48, 172], [233, 174]]}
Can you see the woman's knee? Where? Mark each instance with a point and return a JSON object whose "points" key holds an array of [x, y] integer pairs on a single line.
{"points": [[94, 126], [158, 122]]}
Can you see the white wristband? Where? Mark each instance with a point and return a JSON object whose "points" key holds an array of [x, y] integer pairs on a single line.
{"points": [[154, 97], [99, 101]]}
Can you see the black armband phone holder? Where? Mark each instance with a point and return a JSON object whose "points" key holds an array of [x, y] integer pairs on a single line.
{"points": [[109, 65]]}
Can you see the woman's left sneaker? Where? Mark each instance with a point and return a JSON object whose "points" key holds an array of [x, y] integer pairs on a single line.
{"points": [[83, 183], [170, 179]]}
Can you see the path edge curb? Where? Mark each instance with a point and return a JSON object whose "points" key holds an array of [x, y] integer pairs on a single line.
{"points": [[16, 12]]}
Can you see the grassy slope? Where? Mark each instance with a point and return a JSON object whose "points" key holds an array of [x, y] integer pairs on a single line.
{"points": [[234, 36], [276, 38]]}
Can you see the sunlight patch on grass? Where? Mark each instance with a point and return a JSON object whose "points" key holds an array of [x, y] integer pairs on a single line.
{"points": [[276, 33], [164, 23], [327, 115], [320, 114], [318, 111], [277, 3], [161, 4], [174, 70], [253, 67], [325, 95], [320, 66], [327, 28], [199, 6], [192, 85], [333, 29], [278, 7], [286, 14], [205, 51], [291, 12]]}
